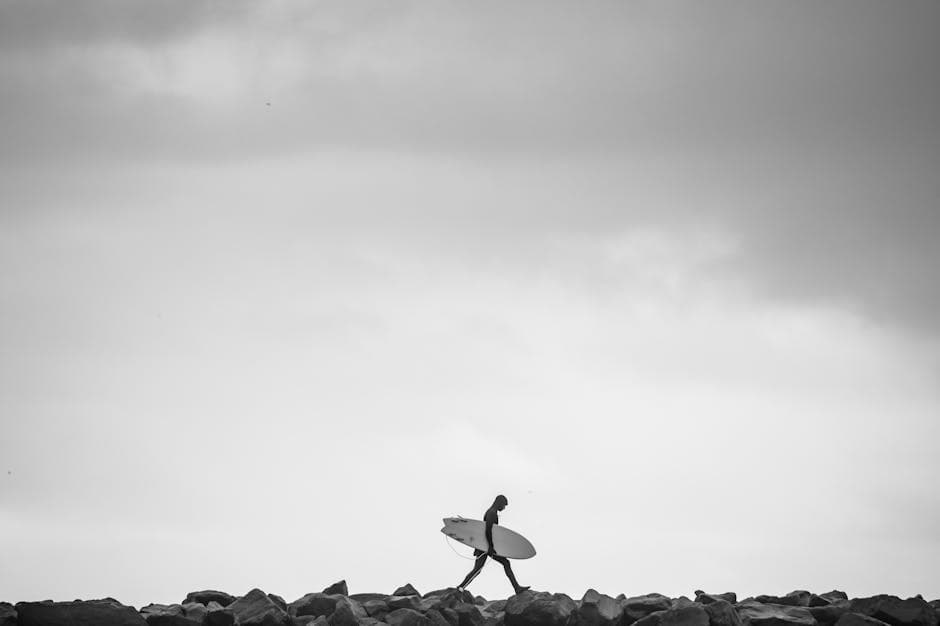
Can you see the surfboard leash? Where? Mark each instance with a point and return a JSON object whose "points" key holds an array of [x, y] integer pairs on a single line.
{"points": [[449, 545]]}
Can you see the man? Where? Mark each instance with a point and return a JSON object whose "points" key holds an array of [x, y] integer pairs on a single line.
{"points": [[491, 517]]}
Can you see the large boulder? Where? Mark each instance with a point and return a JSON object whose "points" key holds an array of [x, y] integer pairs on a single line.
{"points": [[831, 613], [7, 614], [895, 611], [722, 613], [686, 613], [469, 615], [406, 590], [598, 609], [376, 608], [168, 615], [539, 609], [436, 618], [406, 617], [217, 615], [638, 607], [209, 595], [347, 613], [107, 612], [757, 614], [708, 598], [337, 589], [315, 604], [255, 608], [406, 602], [794, 598], [825, 599]]}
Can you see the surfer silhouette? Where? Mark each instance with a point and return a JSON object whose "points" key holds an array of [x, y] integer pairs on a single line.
{"points": [[491, 518]]}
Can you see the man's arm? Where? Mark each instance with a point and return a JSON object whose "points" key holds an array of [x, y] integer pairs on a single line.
{"points": [[489, 538]]}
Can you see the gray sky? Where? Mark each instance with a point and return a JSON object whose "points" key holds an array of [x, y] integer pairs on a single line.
{"points": [[283, 284]]}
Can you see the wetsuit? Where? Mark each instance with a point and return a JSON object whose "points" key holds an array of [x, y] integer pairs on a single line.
{"points": [[491, 517]]}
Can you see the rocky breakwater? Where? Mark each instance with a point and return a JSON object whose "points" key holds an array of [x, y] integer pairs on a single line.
{"points": [[335, 606]]}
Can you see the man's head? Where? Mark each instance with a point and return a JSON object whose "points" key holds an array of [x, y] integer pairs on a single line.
{"points": [[500, 502]]}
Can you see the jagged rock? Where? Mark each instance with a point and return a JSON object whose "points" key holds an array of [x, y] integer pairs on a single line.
{"points": [[436, 618], [794, 598], [195, 612], [539, 609], [107, 612], [831, 613], [450, 615], [857, 619], [834, 596], [756, 614], [597, 608], [315, 604], [348, 612], [469, 615], [406, 590], [362, 598], [376, 608], [337, 589], [255, 608], [371, 621], [307, 620], [722, 613], [404, 602], [638, 607], [708, 598], [7, 614], [218, 615], [895, 611], [278, 600], [168, 615], [686, 613], [209, 595], [406, 617]]}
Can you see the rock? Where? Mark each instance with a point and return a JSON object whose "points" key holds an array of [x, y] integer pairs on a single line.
{"points": [[686, 613], [638, 607], [405, 602], [406, 617], [256, 609], [376, 608], [168, 615], [722, 613], [406, 590], [7, 614], [337, 589], [831, 613], [210, 595], [107, 612], [362, 598], [834, 596], [597, 608], [371, 621], [196, 612], [436, 618], [307, 620], [278, 600], [539, 609], [347, 613], [450, 615], [469, 615], [217, 615], [315, 604], [894, 611], [857, 619], [754, 613], [708, 598]]}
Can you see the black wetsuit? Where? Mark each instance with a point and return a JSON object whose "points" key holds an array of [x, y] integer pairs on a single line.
{"points": [[491, 517]]}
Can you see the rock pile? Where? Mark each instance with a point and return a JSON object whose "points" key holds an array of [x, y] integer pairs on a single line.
{"points": [[334, 606]]}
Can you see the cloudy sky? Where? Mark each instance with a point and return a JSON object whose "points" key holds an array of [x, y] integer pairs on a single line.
{"points": [[282, 284]]}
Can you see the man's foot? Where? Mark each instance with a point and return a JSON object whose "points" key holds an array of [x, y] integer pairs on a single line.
{"points": [[520, 589]]}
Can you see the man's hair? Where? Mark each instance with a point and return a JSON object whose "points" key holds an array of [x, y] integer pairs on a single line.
{"points": [[501, 499]]}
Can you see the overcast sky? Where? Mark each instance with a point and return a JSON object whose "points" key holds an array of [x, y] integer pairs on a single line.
{"points": [[282, 284]]}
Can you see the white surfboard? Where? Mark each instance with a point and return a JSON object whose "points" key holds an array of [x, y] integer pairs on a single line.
{"points": [[472, 532]]}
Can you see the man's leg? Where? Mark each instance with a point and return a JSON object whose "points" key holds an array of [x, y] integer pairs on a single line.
{"points": [[512, 577], [481, 559]]}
